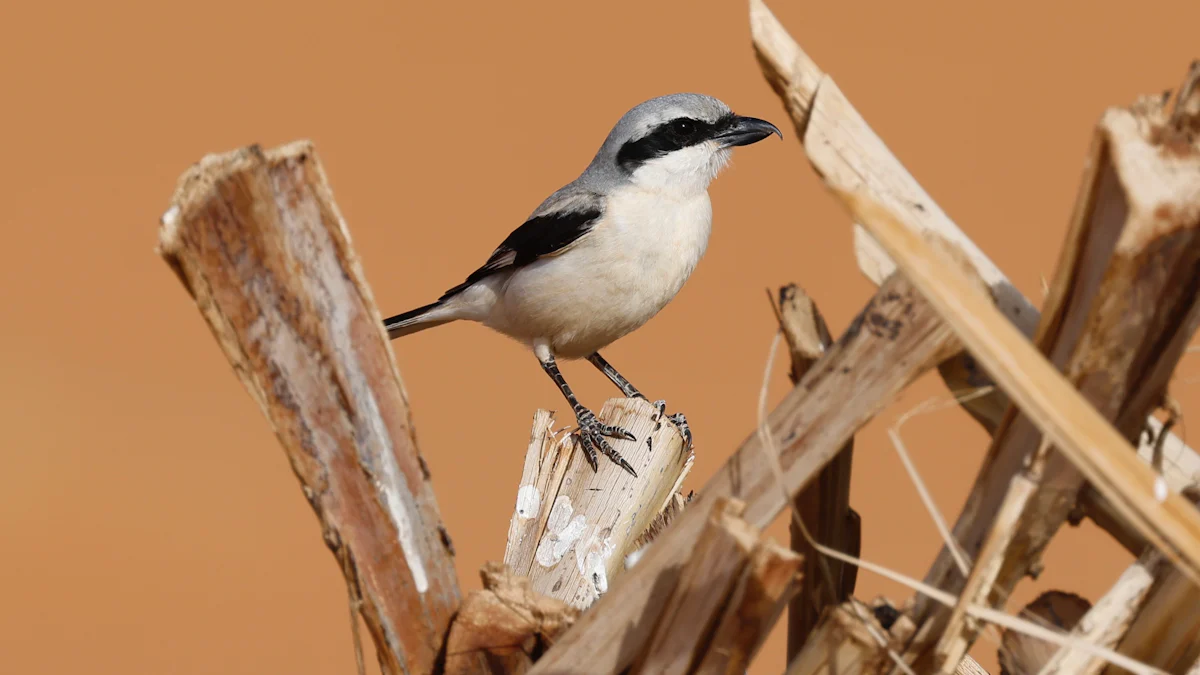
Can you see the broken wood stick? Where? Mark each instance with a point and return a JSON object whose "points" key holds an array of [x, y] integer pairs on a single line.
{"points": [[689, 616], [845, 151], [1020, 653], [1121, 311], [259, 243], [758, 599], [845, 642], [507, 622], [1149, 614], [573, 527], [849, 640], [895, 339], [1106, 459], [960, 630], [1165, 632], [823, 506]]}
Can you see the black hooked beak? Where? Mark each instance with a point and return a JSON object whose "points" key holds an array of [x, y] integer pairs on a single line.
{"points": [[745, 130]]}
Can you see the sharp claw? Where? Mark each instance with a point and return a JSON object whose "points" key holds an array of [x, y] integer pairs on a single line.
{"points": [[589, 452], [615, 456], [681, 423], [625, 465], [591, 437], [616, 432]]}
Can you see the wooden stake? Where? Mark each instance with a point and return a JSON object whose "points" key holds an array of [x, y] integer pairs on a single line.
{"points": [[891, 342], [573, 527], [259, 243], [824, 506]]}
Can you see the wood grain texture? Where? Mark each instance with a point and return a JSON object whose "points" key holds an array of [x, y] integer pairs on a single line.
{"points": [[1122, 309], [891, 342], [690, 614], [758, 598], [1020, 653], [843, 148], [1166, 519], [845, 642], [824, 506], [258, 242], [507, 623], [961, 630], [573, 527]]}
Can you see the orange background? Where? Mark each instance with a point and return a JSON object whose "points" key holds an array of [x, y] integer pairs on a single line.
{"points": [[150, 522]]}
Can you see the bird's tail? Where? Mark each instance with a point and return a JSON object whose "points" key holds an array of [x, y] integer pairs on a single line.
{"points": [[416, 320]]}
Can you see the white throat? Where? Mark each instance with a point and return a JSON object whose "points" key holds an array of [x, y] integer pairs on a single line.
{"points": [[683, 173]]}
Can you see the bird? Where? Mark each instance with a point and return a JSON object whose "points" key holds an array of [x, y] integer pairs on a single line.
{"points": [[606, 252]]}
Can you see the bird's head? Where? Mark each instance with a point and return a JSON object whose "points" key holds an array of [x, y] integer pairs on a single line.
{"points": [[679, 142]]}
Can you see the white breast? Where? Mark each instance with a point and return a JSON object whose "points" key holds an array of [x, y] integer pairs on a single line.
{"points": [[615, 279]]}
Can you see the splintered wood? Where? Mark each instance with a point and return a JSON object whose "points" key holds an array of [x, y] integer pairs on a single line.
{"points": [[846, 152], [507, 621], [573, 528], [606, 573], [258, 241], [895, 339], [1120, 314], [728, 594], [824, 506]]}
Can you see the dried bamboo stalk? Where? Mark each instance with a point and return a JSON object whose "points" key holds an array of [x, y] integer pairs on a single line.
{"points": [[824, 506], [758, 598], [258, 241], [573, 527], [844, 148], [891, 342]]}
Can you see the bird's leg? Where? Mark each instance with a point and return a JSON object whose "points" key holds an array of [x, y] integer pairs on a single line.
{"points": [[591, 430], [630, 391], [611, 373]]}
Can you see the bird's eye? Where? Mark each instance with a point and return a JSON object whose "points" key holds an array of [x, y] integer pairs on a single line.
{"points": [[683, 127]]}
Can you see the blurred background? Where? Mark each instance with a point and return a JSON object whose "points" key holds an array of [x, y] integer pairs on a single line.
{"points": [[150, 522]]}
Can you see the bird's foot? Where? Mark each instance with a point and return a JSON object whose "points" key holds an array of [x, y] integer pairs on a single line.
{"points": [[681, 423], [592, 433], [678, 419], [661, 406]]}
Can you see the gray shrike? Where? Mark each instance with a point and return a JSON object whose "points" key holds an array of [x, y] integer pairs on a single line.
{"points": [[607, 251]]}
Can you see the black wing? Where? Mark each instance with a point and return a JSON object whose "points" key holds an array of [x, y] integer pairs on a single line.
{"points": [[541, 235]]}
